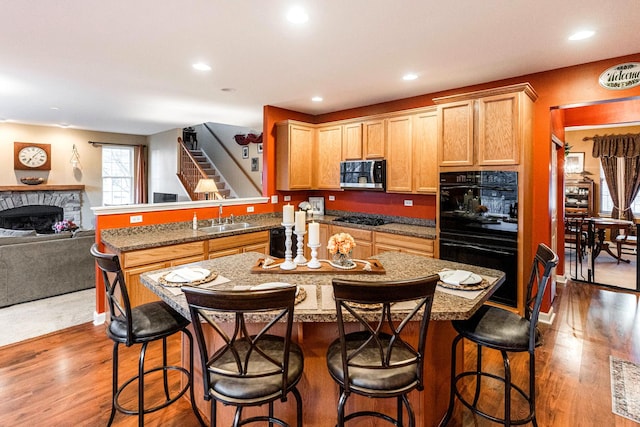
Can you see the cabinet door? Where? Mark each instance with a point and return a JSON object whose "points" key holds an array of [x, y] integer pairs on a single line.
{"points": [[399, 155], [263, 248], [352, 141], [498, 130], [455, 134], [373, 139], [328, 154], [138, 293], [324, 238], [425, 152], [224, 252], [294, 148], [363, 239]]}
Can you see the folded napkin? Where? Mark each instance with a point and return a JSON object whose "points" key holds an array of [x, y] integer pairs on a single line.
{"points": [[188, 274], [454, 277]]}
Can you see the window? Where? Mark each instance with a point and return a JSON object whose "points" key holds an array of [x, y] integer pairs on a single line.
{"points": [[606, 204], [117, 175]]}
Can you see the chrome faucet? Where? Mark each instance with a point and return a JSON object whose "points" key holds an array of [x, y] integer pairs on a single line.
{"points": [[220, 213]]}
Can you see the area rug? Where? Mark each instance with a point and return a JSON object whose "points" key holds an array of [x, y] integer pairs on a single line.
{"points": [[625, 388]]}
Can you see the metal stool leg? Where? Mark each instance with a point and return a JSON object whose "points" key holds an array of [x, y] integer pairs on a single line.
{"points": [[476, 396], [114, 383], [452, 390], [507, 389]]}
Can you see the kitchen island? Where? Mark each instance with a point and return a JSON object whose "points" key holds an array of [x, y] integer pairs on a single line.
{"points": [[315, 329]]}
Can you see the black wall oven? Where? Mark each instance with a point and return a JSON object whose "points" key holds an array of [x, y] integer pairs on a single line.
{"points": [[479, 224]]}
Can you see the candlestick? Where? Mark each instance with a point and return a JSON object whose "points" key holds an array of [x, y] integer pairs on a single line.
{"points": [[288, 263], [287, 214], [313, 263], [301, 221], [300, 259], [314, 233]]}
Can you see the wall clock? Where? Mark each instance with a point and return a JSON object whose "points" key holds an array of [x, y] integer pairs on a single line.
{"points": [[31, 156]]}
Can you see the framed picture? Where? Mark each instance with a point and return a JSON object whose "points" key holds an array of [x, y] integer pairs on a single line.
{"points": [[259, 148], [245, 152], [574, 163], [255, 165]]}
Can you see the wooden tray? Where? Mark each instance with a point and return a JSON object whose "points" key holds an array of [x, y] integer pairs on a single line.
{"points": [[325, 268]]}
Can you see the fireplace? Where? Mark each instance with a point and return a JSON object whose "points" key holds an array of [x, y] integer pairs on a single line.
{"points": [[39, 207], [34, 217]]}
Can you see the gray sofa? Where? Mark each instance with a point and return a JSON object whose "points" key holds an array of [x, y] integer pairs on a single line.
{"points": [[40, 266]]}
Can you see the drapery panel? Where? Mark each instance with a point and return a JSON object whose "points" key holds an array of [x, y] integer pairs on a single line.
{"points": [[627, 145]]}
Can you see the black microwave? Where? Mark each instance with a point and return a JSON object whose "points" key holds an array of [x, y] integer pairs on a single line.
{"points": [[363, 175]]}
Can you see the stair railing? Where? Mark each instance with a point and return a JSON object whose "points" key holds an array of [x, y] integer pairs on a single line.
{"points": [[189, 171]]}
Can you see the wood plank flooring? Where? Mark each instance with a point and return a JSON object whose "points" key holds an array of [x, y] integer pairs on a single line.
{"points": [[64, 378]]}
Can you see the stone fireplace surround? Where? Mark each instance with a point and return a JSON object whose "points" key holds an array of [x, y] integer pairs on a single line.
{"points": [[67, 197]]}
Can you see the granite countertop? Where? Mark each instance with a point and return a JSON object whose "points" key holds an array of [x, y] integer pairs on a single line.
{"points": [[319, 306], [146, 237]]}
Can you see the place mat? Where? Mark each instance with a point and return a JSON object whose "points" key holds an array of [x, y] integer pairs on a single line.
{"points": [[625, 388], [163, 280], [484, 284], [325, 268]]}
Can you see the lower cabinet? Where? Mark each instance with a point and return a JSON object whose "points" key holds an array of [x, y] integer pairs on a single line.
{"points": [[249, 242], [363, 239], [388, 242]]}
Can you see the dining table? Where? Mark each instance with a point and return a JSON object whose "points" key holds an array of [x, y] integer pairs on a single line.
{"points": [[315, 324], [596, 234]]}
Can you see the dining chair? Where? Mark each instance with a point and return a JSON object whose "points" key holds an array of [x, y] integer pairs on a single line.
{"points": [[241, 368], [626, 237], [505, 331], [382, 359], [142, 325]]}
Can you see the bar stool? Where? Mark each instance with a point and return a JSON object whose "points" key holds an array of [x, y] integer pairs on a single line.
{"points": [[141, 325], [247, 369], [378, 361], [505, 331]]}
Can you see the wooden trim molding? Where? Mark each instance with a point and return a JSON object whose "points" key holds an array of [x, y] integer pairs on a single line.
{"points": [[42, 188]]}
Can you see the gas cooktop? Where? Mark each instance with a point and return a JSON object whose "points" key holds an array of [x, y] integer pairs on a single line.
{"points": [[362, 220]]}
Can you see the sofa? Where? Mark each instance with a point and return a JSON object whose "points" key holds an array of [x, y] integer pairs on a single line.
{"points": [[35, 266]]}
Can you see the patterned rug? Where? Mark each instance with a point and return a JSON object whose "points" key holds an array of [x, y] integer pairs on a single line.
{"points": [[625, 388]]}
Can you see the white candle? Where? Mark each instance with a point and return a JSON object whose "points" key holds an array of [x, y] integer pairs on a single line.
{"points": [[314, 233], [287, 214], [301, 220]]}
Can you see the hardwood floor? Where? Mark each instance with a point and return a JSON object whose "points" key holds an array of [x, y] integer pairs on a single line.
{"points": [[64, 379]]}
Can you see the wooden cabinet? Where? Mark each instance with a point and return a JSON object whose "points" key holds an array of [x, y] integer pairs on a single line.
{"points": [[352, 141], [135, 263], [578, 198], [388, 242], [400, 154], [425, 152], [294, 149], [249, 242], [373, 139], [328, 152], [412, 152], [363, 239], [484, 128]]}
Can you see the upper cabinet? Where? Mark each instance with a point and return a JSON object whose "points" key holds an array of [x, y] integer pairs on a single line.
{"points": [[484, 128], [412, 152], [328, 153], [294, 148], [373, 139], [352, 141]]}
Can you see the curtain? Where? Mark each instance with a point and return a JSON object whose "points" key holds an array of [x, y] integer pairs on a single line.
{"points": [[631, 185], [140, 186], [627, 145]]}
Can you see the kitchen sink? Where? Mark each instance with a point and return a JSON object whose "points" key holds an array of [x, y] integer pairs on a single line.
{"points": [[226, 227]]}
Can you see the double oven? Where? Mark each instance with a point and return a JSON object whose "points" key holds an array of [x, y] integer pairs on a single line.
{"points": [[478, 219]]}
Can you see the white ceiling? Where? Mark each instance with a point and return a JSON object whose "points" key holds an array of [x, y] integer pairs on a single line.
{"points": [[125, 66]]}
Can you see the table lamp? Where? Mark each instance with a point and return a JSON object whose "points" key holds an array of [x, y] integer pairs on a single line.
{"points": [[207, 186]]}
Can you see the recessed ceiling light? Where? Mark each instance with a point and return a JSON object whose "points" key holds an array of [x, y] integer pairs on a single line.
{"points": [[201, 66], [317, 99], [228, 89], [297, 15], [581, 35], [409, 76], [64, 125], [55, 108]]}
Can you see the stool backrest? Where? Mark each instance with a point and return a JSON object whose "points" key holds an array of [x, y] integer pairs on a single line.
{"points": [[116, 289], [212, 306], [543, 263], [369, 304]]}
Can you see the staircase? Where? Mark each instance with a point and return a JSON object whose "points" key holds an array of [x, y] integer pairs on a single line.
{"points": [[211, 172]]}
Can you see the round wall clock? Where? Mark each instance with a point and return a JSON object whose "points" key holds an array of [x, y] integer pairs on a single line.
{"points": [[31, 156]]}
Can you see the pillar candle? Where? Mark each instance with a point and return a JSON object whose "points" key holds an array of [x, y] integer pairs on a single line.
{"points": [[314, 233], [301, 219], [287, 214]]}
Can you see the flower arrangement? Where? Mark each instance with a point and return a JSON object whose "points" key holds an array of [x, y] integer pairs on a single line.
{"points": [[341, 243], [64, 225]]}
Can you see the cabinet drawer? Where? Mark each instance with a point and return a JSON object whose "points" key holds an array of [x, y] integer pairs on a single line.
{"points": [[356, 233], [165, 253], [238, 241], [409, 243]]}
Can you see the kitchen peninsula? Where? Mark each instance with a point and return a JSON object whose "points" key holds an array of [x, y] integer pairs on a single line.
{"points": [[315, 327]]}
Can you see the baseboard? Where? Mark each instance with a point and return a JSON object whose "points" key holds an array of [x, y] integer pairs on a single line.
{"points": [[547, 318], [99, 318], [561, 279]]}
